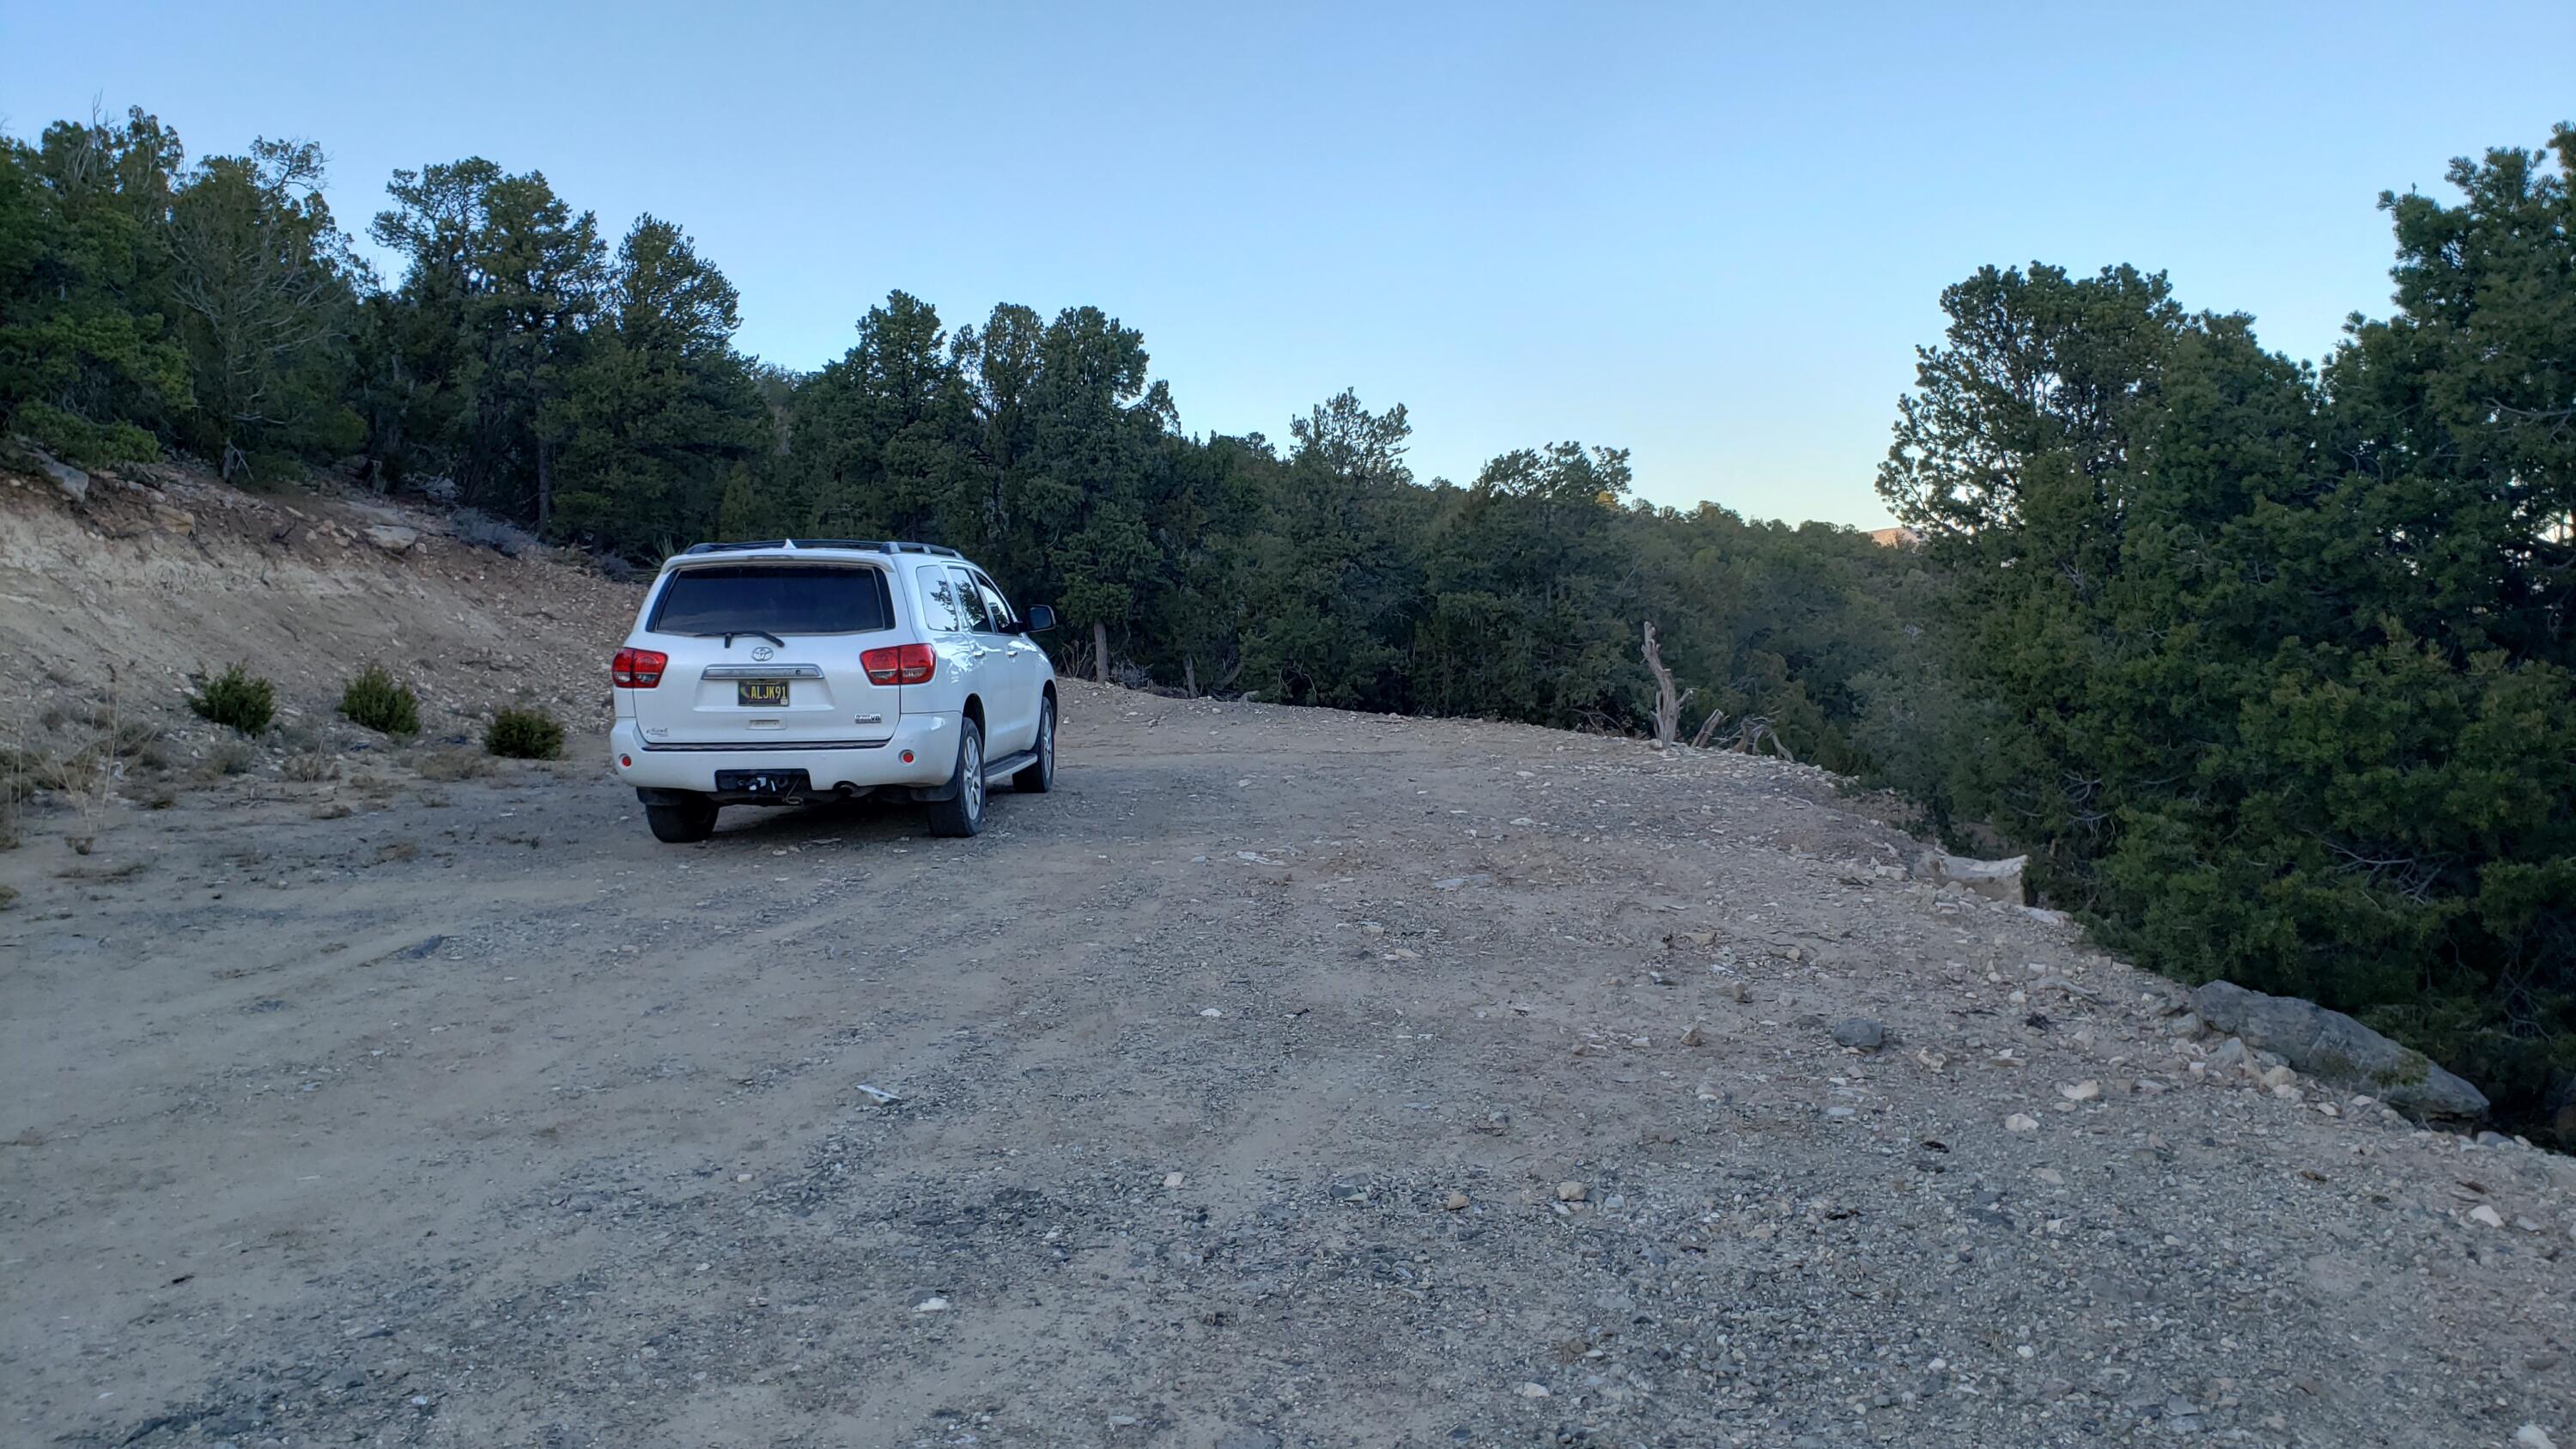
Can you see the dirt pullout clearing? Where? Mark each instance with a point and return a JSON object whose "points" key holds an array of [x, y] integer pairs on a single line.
{"points": [[482, 1119]]}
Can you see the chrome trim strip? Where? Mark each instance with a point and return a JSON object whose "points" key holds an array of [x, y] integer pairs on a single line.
{"points": [[766, 746], [761, 671]]}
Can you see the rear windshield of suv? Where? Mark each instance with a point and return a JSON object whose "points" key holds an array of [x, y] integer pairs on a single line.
{"points": [[779, 599]]}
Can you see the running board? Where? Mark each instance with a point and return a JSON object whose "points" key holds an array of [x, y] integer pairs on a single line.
{"points": [[1008, 765]]}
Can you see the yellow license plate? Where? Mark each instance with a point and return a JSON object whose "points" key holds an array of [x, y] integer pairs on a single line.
{"points": [[753, 693]]}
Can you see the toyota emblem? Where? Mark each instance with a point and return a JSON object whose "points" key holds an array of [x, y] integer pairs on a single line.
{"points": [[762, 652]]}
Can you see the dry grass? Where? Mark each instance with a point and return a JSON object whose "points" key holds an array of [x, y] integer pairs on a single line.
{"points": [[312, 767], [447, 766], [122, 870]]}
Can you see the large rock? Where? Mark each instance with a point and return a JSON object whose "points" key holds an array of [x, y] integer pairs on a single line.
{"points": [[71, 482], [392, 538], [2335, 1048], [1998, 880]]}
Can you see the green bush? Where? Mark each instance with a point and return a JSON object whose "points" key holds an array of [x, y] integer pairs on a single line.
{"points": [[376, 700], [524, 734], [237, 700]]}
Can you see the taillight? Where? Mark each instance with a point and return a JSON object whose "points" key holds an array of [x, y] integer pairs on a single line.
{"points": [[637, 668], [900, 664]]}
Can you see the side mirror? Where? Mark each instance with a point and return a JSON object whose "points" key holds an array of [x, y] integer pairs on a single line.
{"points": [[1040, 618]]}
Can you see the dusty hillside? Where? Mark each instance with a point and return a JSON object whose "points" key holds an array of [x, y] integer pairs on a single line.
{"points": [[1287, 1078], [160, 572]]}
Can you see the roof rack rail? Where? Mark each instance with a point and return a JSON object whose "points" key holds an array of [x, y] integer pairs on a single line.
{"points": [[873, 545]]}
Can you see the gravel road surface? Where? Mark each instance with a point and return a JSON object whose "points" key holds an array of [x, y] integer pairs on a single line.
{"points": [[1288, 1078]]}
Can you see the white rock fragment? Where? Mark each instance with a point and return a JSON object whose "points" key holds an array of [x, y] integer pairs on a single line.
{"points": [[2021, 1122], [933, 1304], [1532, 1391], [2487, 1216], [2532, 1436], [2084, 1091]]}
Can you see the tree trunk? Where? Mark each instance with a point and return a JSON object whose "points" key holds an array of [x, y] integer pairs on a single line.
{"points": [[1100, 650], [545, 485], [1190, 675], [1668, 705]]}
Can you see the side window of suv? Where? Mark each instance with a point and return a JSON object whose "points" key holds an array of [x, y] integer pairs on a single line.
{"points": [[970, 603], [994, 604], [940, 612]]}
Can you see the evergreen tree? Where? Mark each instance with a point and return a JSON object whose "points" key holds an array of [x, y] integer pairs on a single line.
{"points": [[661, 422]]}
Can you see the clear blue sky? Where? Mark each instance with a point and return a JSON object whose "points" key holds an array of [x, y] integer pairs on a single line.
{"points": [[1711, 236]]}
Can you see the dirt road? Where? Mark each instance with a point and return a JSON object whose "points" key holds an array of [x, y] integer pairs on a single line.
{"points": [[1289, 1078]]}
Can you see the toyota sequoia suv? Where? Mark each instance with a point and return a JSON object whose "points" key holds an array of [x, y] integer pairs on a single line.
{"points": [[798, 669]]}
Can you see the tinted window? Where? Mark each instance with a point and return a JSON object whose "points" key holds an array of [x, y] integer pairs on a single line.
{"points": [[970, 602], [994, 603], [778, 598], [939, 612]]}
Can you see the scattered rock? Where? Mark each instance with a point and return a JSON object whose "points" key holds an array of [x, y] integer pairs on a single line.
{"points": [[1455, 1202], [391, 538], [2085, 1091], [2486, 1216], [1174, 1180], [2335, 1048], [932, 1304], [2021, 1122], [1691, 1038], [1571, 1192], [1860, 1032], [1996, 880], [1532, 1391], [2532, 1436]]}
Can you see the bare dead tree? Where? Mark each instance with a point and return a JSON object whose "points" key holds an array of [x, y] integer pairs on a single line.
{"points": [[1708, 727], [1668, 705]]}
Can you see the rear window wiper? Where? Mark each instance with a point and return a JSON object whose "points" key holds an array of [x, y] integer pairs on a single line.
{"points": [[761, 633]]}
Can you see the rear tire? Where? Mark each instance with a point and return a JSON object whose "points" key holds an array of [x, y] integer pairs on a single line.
{"points": [[1039, 776], [683, 822], [962, 813]]}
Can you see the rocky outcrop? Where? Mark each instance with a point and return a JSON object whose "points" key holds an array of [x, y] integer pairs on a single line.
{"points": [[2333, 1047]]}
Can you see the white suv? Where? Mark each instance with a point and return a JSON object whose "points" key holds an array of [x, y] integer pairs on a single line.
{"points": [[799, 669]]}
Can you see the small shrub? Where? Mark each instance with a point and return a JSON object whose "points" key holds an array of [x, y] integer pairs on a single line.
{"points": [[231, 758], [8, 897], [378, 701], [524, 734], [311, 767], [236, 700]]}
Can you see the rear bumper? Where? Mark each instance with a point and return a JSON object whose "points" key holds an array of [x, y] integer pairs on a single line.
{"points": [[932, 739]]}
